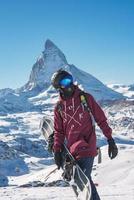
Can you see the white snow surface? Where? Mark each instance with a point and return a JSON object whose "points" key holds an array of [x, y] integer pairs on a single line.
{"points": [[115, 177]]}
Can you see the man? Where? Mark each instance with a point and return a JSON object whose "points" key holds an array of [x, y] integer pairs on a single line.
{"points": [[74, 121]]}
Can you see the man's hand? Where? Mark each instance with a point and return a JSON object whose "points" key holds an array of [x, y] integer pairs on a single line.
{"points": [[112, 148], [58, 159]]}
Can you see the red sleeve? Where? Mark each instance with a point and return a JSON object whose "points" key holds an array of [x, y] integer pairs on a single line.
{"points": [[58, 131], [99, 117]]}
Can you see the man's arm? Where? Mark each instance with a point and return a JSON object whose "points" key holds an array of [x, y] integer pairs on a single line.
{"points": [[101, 120], [99, 117]]}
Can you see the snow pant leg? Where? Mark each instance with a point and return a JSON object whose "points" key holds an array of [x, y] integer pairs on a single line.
{"points": [[86, 165]]}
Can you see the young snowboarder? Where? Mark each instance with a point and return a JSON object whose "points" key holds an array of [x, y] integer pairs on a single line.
{"points": [[74, 117]]}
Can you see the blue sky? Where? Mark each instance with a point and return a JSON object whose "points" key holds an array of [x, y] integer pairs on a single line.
{"points": [[95, 35]]}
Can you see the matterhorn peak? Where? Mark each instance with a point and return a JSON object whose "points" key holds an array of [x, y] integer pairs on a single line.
{"points": [[53, 53], [49, 44], [51, 60], [47, 63]]}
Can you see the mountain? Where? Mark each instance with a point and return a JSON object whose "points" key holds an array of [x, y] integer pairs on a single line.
{"points": [[11, 102], [126, 90], [34, 94], [53, 59], [49, 61]]}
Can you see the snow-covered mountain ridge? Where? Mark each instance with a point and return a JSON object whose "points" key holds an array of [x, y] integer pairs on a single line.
{"points": [[121, 118], [126, 90], [39, 83]]}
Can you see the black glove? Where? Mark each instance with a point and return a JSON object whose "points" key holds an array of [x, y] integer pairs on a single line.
{"points": [[112, 148], [58, 159], [50, 142]]}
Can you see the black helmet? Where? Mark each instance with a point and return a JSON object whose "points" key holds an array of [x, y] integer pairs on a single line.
{"points": [[60, 75]]}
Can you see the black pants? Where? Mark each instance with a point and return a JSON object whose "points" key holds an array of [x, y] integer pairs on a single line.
{"points": [[86, 165]]}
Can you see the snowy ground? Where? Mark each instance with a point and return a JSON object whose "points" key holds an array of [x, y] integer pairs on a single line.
{"points": [[115, 177]]}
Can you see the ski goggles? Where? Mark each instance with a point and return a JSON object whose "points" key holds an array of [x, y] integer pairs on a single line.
{"points": [[66, 82]]}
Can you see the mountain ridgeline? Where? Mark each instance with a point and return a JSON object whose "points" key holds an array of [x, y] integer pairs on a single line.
{"points": [[38, 87]]}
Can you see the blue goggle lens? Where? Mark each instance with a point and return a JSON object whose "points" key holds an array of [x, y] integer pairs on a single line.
{"points": [[66, 82]]}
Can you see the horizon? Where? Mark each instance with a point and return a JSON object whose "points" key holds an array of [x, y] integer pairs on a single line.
{"points": [[95, 36]]}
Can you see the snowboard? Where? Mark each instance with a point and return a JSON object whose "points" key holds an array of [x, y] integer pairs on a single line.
{"points": [[79, 181]]}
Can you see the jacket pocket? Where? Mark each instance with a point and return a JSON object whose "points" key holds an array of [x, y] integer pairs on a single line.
{"points": [[79, 147]]}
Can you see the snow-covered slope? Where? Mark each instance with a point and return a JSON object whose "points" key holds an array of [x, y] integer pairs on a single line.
{"points": [[126, 90], [26, 160], [13, 102], [114, 177], [92, 85], [121, 119]]}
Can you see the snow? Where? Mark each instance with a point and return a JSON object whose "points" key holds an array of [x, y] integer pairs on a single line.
{"points": [[126, 90], [34, 94], [115, 177], [23, 155], [3, 180], [121, 118], [4, 123], [34, 193]]}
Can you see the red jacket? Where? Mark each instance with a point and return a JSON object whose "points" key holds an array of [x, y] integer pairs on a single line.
{"points": [[74, 123]]}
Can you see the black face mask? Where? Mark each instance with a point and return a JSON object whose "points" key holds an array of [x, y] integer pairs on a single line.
{"points": [[67, 92]]}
